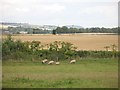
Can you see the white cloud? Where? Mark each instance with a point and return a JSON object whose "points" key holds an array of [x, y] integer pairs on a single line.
{"points": [[22, 9], [54, 7], [108, 11], [48, 8], [81, 12]]}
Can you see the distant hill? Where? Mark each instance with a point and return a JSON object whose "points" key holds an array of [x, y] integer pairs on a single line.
{"points": [[43, 27], [26, 25], [12, 24], [38, 29], [74, 26], [15, 24]]}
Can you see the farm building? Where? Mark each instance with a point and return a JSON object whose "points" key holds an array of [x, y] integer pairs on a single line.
{"points": [[23, 32], [6, 32], [20, 30]]}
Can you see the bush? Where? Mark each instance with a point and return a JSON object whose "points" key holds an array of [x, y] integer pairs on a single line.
{"points": [[57, 50]]}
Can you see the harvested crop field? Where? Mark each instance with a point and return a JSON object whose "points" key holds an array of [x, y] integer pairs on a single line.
{"points": [[81, 41]]}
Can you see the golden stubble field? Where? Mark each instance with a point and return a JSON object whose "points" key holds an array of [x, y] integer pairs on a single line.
{"points": [[82, 41]]}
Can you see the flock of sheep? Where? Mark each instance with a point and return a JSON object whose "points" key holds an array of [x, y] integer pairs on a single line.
{"points": [[45, 61]]}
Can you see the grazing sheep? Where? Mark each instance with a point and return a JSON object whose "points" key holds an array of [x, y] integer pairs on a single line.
{"points": [[57, 63], [51, 62], [72, 61], [44, 61]]}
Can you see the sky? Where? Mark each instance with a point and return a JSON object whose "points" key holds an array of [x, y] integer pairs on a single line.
{"points": [[86, 13]]}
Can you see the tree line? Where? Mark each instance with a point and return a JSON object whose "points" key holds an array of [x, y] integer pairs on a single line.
{"points": [[64, 29], [34, 50]]}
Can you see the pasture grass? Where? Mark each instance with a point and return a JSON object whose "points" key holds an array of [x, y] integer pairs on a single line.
{"points": [[86, 73]]}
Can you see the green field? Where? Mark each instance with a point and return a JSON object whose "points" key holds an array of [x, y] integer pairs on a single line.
{"points": [[86, 73]]}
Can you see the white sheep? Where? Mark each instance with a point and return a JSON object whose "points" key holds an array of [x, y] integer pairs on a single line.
{"points": [[51, 62], [57, 63], [44, 61], [72, 61]]}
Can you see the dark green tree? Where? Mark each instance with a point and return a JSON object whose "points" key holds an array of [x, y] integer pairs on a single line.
{"points": [[54, 32]]}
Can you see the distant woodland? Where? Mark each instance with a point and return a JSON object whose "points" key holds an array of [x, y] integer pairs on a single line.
{"points": [[64, 29], [61, 30]]}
